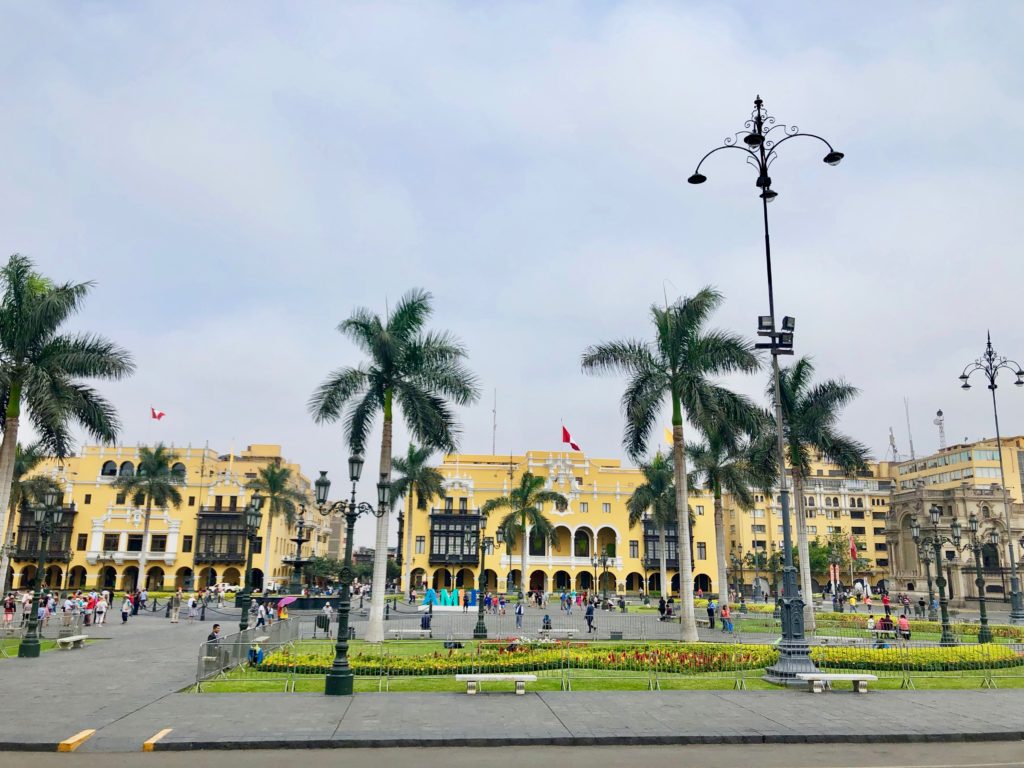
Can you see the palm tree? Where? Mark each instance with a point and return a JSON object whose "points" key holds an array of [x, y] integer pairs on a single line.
{"points": [[156, 483], [810, 412], [418, 370], [280, 498], [525, 519], [719, 464], [24, 486], [676, 366], [419, 480], [657, 495], [43, 369]]}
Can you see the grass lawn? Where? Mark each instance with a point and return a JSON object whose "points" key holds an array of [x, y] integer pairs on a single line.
{"points": [[10, 646]]}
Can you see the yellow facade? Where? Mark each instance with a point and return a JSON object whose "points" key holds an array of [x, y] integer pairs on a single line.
{"points": [[976, 464], [596, 520], [195, 545]]}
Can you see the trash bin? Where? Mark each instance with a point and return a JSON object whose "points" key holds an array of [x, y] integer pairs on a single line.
{"points": [[323, 621]]}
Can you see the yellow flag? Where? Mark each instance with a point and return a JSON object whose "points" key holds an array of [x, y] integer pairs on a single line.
{"points": [[668, 436]]}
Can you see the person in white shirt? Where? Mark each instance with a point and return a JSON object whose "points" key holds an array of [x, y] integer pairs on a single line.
{"points": [[101, 610]]}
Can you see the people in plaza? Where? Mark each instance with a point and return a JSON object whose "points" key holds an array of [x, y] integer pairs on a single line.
{"points": [[143, 597], [10, 604], [214, 636], [589, 615], [661, 608], [885, 603], [175, 607], [261, 614], [519, 615], [126, 608], [711, 613], [726, 616], [853, 603], [871, 622], [101, 609], [545, 623], [465, 601], [193, 608], [904, 627]]}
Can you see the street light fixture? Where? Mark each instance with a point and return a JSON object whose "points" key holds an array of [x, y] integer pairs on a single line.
{"points": [[253, 521], [761, 147], [936, 540], [47, 517], [339, 677], [974, 544], [989, 365], [926, 561], [482, 544]]}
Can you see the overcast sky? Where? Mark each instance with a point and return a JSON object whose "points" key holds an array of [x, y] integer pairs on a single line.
{"points": [[236, 177]]}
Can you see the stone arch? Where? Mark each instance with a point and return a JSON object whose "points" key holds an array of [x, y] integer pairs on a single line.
{"points": [[538, 581], [127, 469], [231, 576], [702, 582], [184, 579], [418, 577], [77, 577], [563, 542], [654, 582], [634, 582], [109, 469], [130, 578], [107, 578], [584, 581], [675, 584], [606, 540], [207, 577], [27, 577], [562, 580], [442, 579], [606, 581], [178, 470], [54, 577], [155, 579], [464, 579], [491, 580], [538, 544], [582, 542], [257, 580]]}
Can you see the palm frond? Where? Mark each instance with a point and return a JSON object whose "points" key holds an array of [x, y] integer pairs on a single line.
{"points": [[329, 399]]}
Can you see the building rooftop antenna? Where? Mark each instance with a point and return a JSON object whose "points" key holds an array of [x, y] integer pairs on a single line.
{"points": [[910, 436], [940, 422]]}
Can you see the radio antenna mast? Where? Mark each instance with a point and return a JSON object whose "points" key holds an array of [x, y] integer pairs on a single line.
{"points": [[910, 436], [940, 422]]}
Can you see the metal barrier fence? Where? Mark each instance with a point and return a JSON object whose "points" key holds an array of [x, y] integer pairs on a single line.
{"points": [[231, 651], [56, 626]]}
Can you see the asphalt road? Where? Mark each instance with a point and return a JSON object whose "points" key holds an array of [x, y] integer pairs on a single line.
{"points": [[964, 755]]}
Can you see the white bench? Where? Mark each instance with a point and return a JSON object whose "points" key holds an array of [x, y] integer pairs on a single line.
{"points": [[817, 682], [398, 634], [472, 681], [71, 641], [703, 622], [568, 634], [261, 639]]}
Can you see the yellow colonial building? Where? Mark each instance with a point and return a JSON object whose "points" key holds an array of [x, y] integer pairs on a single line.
{"points": [[100, 540], [595, 521]]}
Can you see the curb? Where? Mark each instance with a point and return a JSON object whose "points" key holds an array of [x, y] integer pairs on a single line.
{"points": [[580, 741]]}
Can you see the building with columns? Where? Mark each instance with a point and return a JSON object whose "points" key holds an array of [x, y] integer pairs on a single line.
{"points": [[961, 479], [201, 543]]}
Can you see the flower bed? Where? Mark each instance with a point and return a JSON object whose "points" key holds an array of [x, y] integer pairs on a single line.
{"points": [[952, 659], [860, 620]]}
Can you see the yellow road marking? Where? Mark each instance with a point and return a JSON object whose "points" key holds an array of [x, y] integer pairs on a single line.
{"points": [[70, 745], [147, 746]]}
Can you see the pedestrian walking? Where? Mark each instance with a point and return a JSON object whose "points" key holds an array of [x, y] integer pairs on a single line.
{"points": [[175, 607], [261, 615], [465, 601], [711, 613], [589, 615], [519, 615], [126, 609], [101, 610], [193, 608]]}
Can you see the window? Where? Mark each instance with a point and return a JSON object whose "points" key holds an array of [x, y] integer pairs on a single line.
{"points": [[448, 502], [584, 507], [757, 529], [83, 542], [828, 502], [134, 542], [88, 499], [178, 470], [878, 531], [809, 514], [111, 542], [421, 543], [702, 550], [257, 545], [700, 509], [579, 481], [757, 513], [127, 469], [119, 499], [858, 530], [881, 547], [191, 501], [856, 515], [809, 501], [109, 469], [882, 562], [811, 529], [463, 505], [634, 549], [606, 508], [186, 544], [158, 542], [139, 499]]}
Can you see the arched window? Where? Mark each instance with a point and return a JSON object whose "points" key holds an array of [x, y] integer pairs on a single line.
{"points": [[810, 501], [828, 502], [127, 469], [985, 511], [178, 470], [835, 501], [109, 469]]}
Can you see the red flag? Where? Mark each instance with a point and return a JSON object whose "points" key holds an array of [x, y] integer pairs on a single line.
{"points": [[155, 414], [567, 438], [853, 549]]}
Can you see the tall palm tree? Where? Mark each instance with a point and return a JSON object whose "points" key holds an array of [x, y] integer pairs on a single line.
{"points": [[25, 486], [42, 369], [720, 464], [657, 496], [525, 520], [418, 370], [810, 412], [281, 499], [676, 366], [155, 483], [419, 480]]}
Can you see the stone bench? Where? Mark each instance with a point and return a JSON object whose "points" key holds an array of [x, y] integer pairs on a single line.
{"points": [[830, 640], [817, 682], [398, 634], [472, 681], [568, 634], [71, 641], [261, 639]]}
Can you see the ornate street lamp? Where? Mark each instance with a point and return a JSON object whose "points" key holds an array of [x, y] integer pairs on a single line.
{"points": [[482, 544], [760, 147], [990, 364], [936, 541], [340, 677], [253, 521], [605, 559], [594, 562], [926, 561], [47, 517], [974, 544]]}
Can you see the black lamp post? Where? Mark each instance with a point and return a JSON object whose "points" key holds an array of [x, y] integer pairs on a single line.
{"points": [[760, 148], [936, 541], [340, 677], [604, 560], [482, 544], [594, 563], [835, 560], [756, 555], [47, 517], [777, 610], [253, 520], [974, 544], [989, 364]]}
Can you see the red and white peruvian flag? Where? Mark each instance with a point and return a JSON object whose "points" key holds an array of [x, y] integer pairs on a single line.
{"points": [[853, 548], [567, 438], [154, 413]]}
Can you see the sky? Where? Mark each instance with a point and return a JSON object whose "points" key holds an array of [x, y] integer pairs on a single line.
{"points": [[237, 177]]}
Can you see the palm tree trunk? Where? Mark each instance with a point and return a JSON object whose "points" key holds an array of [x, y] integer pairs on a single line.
{"points": [[803, 550], [7, 451], [407, 561], [8, 532], [663, 562], [687, 620], [723, 573], [523, 558], [141, 583], [375, 626], [269, 543]]}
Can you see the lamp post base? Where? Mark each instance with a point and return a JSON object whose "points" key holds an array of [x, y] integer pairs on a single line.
{"points": [[984, 634], [480, 631], [1016, 602], [339, 684], [794, 658], [29, 648]]}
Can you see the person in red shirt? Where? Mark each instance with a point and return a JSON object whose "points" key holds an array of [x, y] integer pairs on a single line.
{"points": [[885, 603], [904, 627]]}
